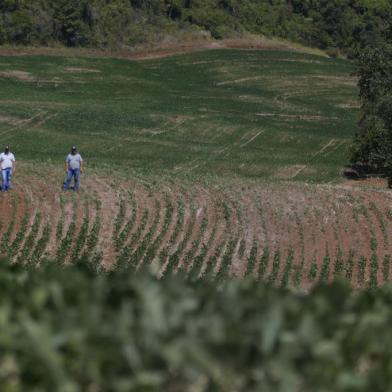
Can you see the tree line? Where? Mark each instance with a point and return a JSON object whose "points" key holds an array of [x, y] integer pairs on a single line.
{"points": [[345, 25], [372, 146]]}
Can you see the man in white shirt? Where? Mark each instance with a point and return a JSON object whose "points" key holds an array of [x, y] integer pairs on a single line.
{"points": [[73, 167], [7, 165]]}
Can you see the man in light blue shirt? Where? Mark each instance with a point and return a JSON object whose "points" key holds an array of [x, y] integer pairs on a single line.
{"points": [[73, 168]]}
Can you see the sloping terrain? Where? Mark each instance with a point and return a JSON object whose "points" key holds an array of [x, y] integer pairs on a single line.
{"points": [[219, 163], [287, 233], [238, 113]]}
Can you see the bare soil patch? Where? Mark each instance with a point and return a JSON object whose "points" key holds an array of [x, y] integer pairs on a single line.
{"points": [[304, 117], [165, 49], [341, 80], [81, 70], [241, 80], [9, 120], [18, 75], [376, 182], [350, 105], [288, 172]]}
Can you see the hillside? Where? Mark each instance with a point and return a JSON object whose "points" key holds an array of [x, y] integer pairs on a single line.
{"points": [[339, 25], [247, 114], [216, 242], [217, 163]]}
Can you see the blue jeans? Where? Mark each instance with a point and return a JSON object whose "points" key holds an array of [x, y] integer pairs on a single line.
{"points": [[6, 175], [75, 174]]}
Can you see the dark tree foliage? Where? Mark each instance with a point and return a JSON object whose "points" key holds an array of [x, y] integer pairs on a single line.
{"points": [[69, 22], [373, 140], [345, 25]]}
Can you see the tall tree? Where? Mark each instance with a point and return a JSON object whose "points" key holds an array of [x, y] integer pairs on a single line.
{"points": [[68, 20], [373, 140]]}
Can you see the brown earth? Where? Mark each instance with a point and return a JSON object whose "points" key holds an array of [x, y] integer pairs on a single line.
{"points": [[309, 221], [162, 49], [81, 70], [18, 75]]}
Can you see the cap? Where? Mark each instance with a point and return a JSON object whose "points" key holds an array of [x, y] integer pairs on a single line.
{"points": [[73, 148]]}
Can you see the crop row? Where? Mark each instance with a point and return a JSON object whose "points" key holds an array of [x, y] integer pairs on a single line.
{"points": [[65, 243], [153, 248], [197, 267], [91, 253], [126, 251], [203, 242], [30, 240], [81, 237], [138, 253], [175, 257], [190, 256], [6, 237], [121, 232]]}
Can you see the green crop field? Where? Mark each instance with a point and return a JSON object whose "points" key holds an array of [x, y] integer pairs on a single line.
{"points": [[235, 113], [221, 163]]}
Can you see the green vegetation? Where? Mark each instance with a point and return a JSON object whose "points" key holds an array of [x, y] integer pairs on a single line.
{"points": [[325, 268], [13, 248], [41, 245], [208, 137], [5, 239], [30, 240], [223, 113], [372, 145], [340, 24], [71, 329], [225, 124]]}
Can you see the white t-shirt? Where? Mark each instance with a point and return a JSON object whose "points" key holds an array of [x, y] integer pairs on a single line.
{"points": [[74, 161], [7, 160]]}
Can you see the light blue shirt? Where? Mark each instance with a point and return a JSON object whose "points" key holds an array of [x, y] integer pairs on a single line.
{"points": [[74, 161]]}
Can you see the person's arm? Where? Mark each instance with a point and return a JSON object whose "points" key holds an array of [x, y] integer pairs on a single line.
{"points": [[13, 169], [81, 165], [66, 165]]}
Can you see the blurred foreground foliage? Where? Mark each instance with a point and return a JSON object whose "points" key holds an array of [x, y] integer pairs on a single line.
{"points": [[73, 329]]}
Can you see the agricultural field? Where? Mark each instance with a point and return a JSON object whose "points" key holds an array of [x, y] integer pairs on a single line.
{"points": [[221, 163]]}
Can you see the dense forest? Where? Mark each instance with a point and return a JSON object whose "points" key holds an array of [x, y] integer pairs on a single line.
{"points": [[344, 25]]}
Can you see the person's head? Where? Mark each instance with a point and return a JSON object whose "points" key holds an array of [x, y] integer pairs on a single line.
{"points": [[7, 149], [73, 150]]}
